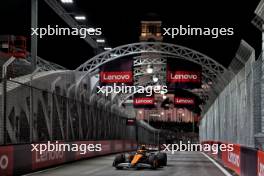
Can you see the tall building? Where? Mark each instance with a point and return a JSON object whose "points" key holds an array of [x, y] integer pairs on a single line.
{"points": [[151, 31]]}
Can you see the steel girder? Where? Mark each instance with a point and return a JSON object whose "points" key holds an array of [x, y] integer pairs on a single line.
{"points": [[212, 70], [153, 47], [57, 8], [48, 66], [45, 65]]}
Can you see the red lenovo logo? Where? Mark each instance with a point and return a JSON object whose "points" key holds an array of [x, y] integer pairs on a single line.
{"points": [[47, 158], [184, 76], [116, 77], [144, 101], [260, 166], [6, 160], [260, 169], [183, 101], [233, 158]]}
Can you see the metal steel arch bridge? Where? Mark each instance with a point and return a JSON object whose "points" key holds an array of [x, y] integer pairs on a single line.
{"points": [[213, 72], [70, 93]]}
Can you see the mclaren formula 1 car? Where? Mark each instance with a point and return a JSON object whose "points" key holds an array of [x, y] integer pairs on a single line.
{"points": [[142, 158]]}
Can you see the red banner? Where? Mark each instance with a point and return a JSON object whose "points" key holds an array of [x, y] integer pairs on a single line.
{"points": [[106, 147], [14, 161], [183, 101], [260, 163], [183, 76], [232, 159], [144, 101], [87, 154], [118, 146], [116, 77], [6, 160], [49, 157], [131, 122]]}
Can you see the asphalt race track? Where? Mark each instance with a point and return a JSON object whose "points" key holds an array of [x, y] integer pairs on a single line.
{"points": [[179, 164]]}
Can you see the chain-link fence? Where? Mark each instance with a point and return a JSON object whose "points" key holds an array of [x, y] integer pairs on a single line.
{"points": [[29, 114], [235, 116]]}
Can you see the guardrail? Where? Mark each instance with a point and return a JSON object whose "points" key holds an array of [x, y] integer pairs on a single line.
{"points": [[19, 159], [244, 161]]}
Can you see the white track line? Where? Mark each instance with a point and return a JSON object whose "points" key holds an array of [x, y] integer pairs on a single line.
{"points": [[217, 165]]}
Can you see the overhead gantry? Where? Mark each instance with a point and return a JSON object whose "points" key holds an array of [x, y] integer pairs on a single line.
{"points": [[213, 73]]}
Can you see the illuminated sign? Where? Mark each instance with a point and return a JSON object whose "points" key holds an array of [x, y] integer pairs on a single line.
{"points": [[116, 77], [130, 122], [183, 76], [144, 101], [183, 101], [119, 71]]}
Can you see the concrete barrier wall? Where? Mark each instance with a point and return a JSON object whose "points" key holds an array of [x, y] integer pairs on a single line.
{"points": [[19, 159], [244, 161]]}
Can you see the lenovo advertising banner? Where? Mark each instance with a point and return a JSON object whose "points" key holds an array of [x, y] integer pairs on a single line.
{"points": [[232, 159], [183, 74], [6, 160], [47, 158], [143, 101], [116, 77], [118, 71], [131, 122], [260, 163], [183, 101]]}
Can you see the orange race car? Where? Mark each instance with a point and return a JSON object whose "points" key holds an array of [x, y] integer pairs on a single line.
{"points": [[142, 158]]}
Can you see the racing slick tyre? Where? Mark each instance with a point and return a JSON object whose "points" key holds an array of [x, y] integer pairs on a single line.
{"points": [[162, 157], [153, 161], [120, 158]]}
